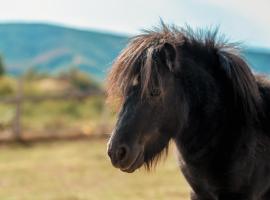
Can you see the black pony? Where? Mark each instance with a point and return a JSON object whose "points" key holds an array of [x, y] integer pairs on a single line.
{"points": [[194, 88]]}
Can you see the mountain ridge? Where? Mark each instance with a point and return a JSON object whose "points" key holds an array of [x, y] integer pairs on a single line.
{"points": [[53, 48]]}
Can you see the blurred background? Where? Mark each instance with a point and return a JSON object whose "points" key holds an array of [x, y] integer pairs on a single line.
{"points": [[54, 123]]}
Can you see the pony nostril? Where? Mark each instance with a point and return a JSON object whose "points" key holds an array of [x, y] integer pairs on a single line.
{"points": [[121, 153]]}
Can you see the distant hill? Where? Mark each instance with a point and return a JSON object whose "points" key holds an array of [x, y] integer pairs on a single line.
{"points": [[259, 59], [50, 48]]}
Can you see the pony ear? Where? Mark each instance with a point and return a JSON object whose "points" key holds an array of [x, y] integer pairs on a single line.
{"points": [[245, 89], [168, 54]]}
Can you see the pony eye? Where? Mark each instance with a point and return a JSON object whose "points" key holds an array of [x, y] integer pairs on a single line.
{"points": [[155, 92]]}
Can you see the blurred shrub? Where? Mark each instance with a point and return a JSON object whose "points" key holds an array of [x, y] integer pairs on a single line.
{"points": [[7, 115], [45, 86], [71, 109], [2, 66], [33, 74], [79, 80], [7, 86], [97, 104]]}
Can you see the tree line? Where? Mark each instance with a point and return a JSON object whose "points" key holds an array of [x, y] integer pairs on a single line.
{"points": [[2, 66]]}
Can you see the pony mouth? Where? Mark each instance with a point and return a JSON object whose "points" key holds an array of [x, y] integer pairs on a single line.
{"points": [[136, 164]]}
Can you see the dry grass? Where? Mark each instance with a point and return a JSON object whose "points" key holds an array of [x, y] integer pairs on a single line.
{"points": [[81, 171]]}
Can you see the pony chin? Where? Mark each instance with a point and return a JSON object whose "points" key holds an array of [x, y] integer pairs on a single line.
{"points": [[150, 160], [152, 157]]}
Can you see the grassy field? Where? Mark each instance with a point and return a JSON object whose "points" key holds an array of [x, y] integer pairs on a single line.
{"points": [[80, 170]]}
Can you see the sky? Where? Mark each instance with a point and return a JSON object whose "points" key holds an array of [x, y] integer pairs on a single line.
{"points": [[247, 21]]}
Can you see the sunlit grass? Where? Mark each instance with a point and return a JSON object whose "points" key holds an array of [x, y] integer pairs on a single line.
{"points": [[81, 171]]}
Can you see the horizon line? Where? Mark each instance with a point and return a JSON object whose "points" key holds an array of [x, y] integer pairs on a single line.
{"points": [[103, 31]]}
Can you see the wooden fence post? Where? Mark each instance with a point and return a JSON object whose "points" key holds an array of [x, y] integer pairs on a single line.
{"points": [[105, 115], [17, 129]]}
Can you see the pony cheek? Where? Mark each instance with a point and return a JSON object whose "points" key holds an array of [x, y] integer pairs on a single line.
{"points": [[150, 138]]}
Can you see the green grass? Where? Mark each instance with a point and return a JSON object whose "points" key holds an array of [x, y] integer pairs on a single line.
{"points": [[81, 171]]}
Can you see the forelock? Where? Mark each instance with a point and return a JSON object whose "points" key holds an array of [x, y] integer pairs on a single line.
{"points": [[138, 59]]}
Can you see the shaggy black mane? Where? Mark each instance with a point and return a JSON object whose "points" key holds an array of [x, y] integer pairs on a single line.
{"points": [[139, 59]]}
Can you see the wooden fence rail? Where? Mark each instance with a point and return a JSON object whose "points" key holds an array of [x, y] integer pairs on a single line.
{"points": [[68, 96], [20, 98]]}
